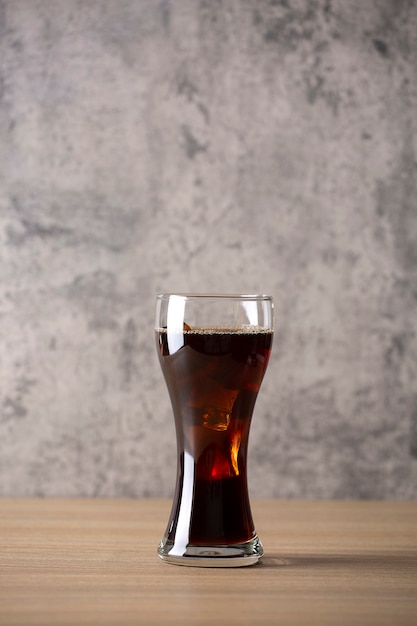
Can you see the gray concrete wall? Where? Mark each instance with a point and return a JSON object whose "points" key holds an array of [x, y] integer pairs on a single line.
{"points": [[195, 145]]}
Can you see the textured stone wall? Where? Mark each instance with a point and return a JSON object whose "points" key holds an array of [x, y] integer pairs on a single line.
{"points": [[196, 145]]}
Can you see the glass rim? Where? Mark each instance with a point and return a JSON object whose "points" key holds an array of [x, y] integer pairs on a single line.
{"points": [[215, 296]]}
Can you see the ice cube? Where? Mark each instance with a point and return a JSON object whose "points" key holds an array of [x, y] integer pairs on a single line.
{"points": [[216, 418], [216, 415]]}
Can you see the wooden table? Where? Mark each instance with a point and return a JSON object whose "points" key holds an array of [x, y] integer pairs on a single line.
{"points": [[94, 562]]}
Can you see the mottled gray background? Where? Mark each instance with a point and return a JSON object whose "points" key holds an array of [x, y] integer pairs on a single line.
{"points": [[243, 145]]}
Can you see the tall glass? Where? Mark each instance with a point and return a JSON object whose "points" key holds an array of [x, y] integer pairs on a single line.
{"points": [[213, 351]]}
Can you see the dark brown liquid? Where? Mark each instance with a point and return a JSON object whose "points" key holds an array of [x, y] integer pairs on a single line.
{"points": [[213, 377]]}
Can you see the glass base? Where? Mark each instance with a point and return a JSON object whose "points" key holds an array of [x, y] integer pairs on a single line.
{"points": [[235, 555]]}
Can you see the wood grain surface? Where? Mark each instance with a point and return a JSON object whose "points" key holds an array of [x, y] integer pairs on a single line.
{"points": [[94, 562]]}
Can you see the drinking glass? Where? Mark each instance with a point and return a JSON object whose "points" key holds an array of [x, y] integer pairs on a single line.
{"points": [[213, 351]]}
